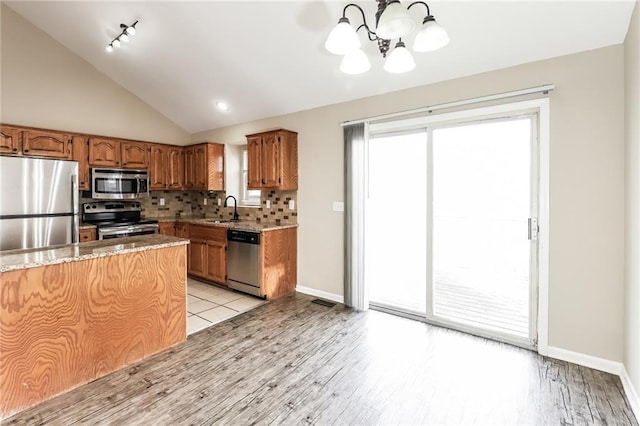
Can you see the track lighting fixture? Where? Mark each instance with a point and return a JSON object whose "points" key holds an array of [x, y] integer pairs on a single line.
{"points": [[392, 22], [124, 36]]}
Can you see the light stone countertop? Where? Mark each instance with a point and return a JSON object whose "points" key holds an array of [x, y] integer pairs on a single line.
{"points": [[241, 225], [11, 260]]}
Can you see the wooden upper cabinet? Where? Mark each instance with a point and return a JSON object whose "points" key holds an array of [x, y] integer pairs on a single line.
{"points": [[254, 168], [166, 168], [104, 152], [201, 166], [135, 155], [157, 167], [175, 168], [10, 140], [118, 154], [46, 144], [204, 167], [273, 160], [80, 153]]}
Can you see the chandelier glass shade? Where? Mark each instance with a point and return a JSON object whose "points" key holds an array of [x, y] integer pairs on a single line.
{"points": [[393, 21]]}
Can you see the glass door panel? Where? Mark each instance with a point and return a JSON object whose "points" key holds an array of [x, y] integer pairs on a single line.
{"points": [[481, 191], [395, 222]]}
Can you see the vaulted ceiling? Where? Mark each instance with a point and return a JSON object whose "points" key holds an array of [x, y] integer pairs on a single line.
{"points": [[267, 58]]}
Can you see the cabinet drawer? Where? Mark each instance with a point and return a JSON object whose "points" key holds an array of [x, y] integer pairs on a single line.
{"points": [[211, 233], [87, 234]]}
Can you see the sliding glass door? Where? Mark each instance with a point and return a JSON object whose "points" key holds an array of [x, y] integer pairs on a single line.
{"points": [[450, 225]]}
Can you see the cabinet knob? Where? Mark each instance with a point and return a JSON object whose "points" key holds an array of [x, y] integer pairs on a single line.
{"points": [[15, 149], [25, 150]]}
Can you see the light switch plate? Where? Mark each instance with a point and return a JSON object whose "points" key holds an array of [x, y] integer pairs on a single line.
{"points": [[161, 201], [292, 204], [338, 206], [219, 201], [205, 201], [267, 204]]}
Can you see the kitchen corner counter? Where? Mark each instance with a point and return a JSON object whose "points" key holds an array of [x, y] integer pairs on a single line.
{"points": [[11, 260], [241, 225], [76, 312]]}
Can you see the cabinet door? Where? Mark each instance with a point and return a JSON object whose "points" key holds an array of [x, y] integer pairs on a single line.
{"points": [[9, 140], [79, 151], [175, 168], [270, 161], [46, 144], [135, 155], [189, 168], [254, 162], [167, 228], [215, 167], [217, 262], [201, 167], [181, 230], [197, 258], [157, 169], [104, 152]]}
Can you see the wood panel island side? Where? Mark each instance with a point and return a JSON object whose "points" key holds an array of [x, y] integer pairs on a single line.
{"points": [[70, 314]]}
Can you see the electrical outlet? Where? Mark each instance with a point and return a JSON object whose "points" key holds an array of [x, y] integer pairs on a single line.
{"points": [[219, 201], [267, 204], [161, 201], [292, 204], [338, 206], [205, 201]]}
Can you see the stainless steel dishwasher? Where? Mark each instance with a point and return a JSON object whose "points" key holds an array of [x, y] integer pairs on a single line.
{"points": [[243, 261]]}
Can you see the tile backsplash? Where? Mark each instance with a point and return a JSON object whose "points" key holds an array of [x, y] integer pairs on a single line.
{"points": [[191, 204]]}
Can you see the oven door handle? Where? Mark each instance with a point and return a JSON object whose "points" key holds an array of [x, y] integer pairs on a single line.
{"points": [[128, 229]]}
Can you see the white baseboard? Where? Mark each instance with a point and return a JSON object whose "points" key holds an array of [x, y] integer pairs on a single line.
{"points": [[596, 363], [632, 395], [319, 293]]}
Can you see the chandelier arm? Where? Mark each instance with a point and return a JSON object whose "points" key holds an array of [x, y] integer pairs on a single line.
{"points": [[420, 2], [364, 18]]}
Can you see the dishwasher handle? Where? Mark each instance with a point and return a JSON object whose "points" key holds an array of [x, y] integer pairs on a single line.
{"points": [[247, 237]]}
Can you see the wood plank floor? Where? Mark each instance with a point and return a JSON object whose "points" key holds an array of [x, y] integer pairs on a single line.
{"points": [[491, 309], [295, 362]]}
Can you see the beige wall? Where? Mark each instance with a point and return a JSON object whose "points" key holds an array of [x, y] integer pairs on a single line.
{"points": [[632, 218], [43, 84], [586, 172]]}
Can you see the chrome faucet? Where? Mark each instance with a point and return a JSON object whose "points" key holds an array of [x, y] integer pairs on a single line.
{"points": [[236, 216]]}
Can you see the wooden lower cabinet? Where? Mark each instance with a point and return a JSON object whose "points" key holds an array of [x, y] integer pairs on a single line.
{"points": [[181, 230], [197, 258], [88, 234], [167, 228], [66, 324], [208, 253], [278, 262], [217, 261], [207, 257]]}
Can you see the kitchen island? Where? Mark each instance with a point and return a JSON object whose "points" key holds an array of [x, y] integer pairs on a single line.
{"points": [[70, 314]]}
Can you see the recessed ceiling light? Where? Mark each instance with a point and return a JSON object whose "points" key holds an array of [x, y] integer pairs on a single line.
{"points": [[222, 106]]}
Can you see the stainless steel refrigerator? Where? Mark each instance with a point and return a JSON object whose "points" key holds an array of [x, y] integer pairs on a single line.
{"points": [[38, 202]]}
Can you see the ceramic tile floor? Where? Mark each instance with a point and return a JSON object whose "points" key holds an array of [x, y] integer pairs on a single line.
{"points": [[208, 305]]}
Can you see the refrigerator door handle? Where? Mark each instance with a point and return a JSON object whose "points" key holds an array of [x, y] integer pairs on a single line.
{"points": [[75, 232]]}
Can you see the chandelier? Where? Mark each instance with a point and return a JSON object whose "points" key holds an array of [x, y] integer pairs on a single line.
{"points": [[392, 22]]}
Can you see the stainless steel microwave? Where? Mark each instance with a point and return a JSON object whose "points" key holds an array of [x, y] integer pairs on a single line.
{"points": [[119, 184]]}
